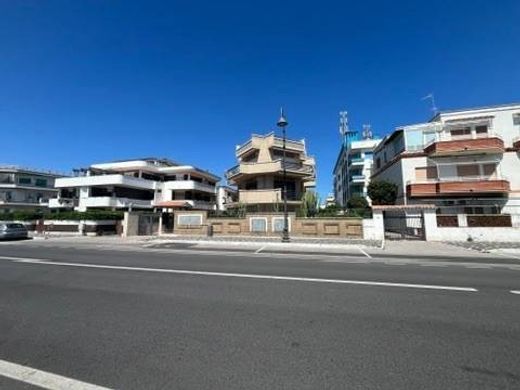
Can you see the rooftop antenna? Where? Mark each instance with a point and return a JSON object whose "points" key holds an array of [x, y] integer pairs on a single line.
{"points": [[343, 123], [346, 134], [367, 132], [431, 98]]}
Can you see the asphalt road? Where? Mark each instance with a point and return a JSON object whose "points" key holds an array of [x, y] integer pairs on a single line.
{"points": [[158, 320]]}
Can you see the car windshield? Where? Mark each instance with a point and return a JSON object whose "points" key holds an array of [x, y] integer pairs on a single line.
{"points": [[15, 226]]}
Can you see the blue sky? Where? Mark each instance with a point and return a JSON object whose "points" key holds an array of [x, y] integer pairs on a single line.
{"points": [[92, 81]]}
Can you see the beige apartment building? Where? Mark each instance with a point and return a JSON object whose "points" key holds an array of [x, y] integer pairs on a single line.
{"points": [[259, 173]]}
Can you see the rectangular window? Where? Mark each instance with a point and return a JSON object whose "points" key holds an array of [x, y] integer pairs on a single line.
{"points": [[189, 219], [481, 130], [460, 132], [425, 173], [467, 170], [258, 224], [489, 169], [277, 223], [41, 182], [516, 119], [24, 180]]}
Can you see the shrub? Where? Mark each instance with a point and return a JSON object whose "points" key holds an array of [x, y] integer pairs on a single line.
{"points": [[357, 202], [382, 192], [99, 215]]}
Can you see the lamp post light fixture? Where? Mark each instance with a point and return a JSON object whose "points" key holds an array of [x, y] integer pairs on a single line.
{"points": [[282, 123]]}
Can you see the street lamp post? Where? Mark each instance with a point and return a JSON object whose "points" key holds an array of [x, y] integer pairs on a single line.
{"points": [[282, 123]]}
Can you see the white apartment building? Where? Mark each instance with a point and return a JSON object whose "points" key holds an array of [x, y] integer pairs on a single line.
{"points": [[25, 189], [141, 184], [353, 169], [464, 161]]}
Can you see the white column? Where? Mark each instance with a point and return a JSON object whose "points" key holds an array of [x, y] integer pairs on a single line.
{"points": [[430, 225], [379, 224]]}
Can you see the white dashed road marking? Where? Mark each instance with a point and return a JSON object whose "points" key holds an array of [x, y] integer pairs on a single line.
{"points": [[43, 379], [515, 292]]}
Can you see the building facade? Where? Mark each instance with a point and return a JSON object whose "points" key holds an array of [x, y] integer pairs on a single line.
{"points": [[141, 184], [259, 173], [225, 196], [463, 161], [353, 170], [25, 189]]}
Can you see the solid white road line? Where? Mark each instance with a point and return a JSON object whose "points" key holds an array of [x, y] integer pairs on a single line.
{"points": [[260, 249], [364, 252], [43, 379], [240, 275], [515, 292]]}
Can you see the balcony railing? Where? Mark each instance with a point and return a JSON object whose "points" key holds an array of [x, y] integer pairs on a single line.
{"points": [[457, 185], [357, 178], [356, 161], [445, 144], [269, 167], [266, 196]]}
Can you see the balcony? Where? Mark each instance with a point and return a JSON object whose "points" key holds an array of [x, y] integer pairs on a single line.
{"points": [[188, 185], [269, 141], [108, 201], [468, 144], [63, 203], [357, 178], [457, 186], [265, 196], [356, 161], [105, 180], [269, 167]]}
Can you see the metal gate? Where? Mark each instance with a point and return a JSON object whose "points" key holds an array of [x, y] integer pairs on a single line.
{"points": [[148, 224], [404, 226]]}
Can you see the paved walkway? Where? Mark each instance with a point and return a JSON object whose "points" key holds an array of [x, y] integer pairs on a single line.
{"points": [[486, 246]]}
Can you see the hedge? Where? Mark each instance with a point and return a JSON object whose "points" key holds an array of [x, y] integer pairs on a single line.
{"points": [[65, 215]]}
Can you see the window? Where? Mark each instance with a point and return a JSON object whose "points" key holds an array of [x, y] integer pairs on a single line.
{"points": [[24, 180], [489, 169], [378, 163], [277, 223], [467, 170], [425, 173], [460, 132], [258, 224], [516, 118], [481, 130], [41, 182], [189, 219]]}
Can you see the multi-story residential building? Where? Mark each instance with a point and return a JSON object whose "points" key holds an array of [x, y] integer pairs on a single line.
{"points": [[148, 183], [25, 189], [225, 196], [353, 169], [464, 161], [259, 173]]}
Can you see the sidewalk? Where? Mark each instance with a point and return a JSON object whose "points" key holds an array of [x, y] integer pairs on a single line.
{"points": [[409, 251]]}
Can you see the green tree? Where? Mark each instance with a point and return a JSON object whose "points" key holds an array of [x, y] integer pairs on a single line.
{"points": [[382, 192], [309, 206], [357, 202]]}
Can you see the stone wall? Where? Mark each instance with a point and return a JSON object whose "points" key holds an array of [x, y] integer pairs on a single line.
{"points": [[266, 224]]}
